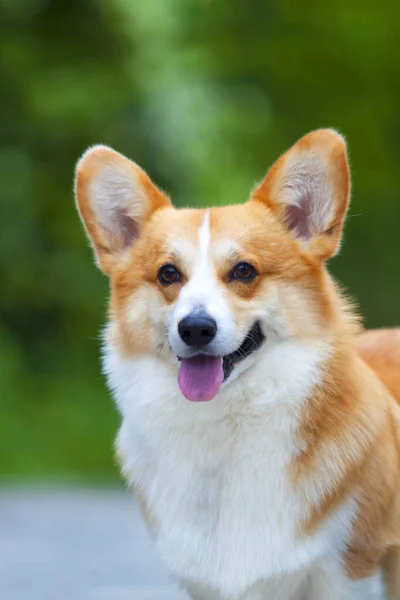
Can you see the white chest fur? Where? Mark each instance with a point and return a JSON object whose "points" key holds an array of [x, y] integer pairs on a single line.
{"points": [[214, 476]]}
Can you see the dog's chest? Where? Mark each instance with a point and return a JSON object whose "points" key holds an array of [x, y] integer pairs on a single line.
{"points": [[221, 502]]}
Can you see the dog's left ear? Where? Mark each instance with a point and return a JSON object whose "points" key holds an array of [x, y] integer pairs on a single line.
{"points": [[308, 190]]}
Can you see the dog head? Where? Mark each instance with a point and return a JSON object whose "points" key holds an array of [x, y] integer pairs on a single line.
{"points": [[211, 288]]}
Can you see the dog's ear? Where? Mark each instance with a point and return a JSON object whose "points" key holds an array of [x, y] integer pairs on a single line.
{"points": [[308, 190], [114, 197]]}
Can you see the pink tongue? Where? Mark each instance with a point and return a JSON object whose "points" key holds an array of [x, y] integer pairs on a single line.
{"points": [[200, 378]]}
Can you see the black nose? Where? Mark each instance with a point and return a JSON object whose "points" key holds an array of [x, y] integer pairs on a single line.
{"points": [[197, 329]]}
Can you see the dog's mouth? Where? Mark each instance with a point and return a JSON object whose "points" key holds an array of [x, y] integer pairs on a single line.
{"points": [[250, 344], [201, 376]]}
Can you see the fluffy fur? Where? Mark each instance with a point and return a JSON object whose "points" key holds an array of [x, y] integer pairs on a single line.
{"points": [[286, 485]]}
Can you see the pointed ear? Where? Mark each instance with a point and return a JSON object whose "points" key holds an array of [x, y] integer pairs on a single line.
{"points": [[114, 197], [308, 190]]}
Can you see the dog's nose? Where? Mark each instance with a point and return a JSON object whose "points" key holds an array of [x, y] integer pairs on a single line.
{"points": [[197, 329]]}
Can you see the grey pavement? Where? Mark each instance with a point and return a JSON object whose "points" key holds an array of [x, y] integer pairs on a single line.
{"points": [[77, 544]]}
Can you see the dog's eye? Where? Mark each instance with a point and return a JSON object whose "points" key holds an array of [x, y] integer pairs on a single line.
{"points": [[168, 274], [244, 272]]}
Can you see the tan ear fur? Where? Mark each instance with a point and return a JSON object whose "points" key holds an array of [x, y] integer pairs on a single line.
{"points": [[114, 197], [308, 189]]}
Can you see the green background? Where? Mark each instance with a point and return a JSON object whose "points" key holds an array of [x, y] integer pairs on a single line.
{"points": [[204, 95]]}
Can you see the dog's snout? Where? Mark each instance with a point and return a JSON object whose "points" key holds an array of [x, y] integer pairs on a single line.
{"points": [[197, 329]]}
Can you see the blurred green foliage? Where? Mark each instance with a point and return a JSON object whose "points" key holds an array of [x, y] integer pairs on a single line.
{"points": [[204, 94]]}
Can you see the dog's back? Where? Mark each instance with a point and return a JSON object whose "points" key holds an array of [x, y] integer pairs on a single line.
{"points": [[380, 349]]}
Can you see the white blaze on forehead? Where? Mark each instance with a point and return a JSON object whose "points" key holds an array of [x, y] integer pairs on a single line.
{"points": [[204, 292], [204, 237], [203, 280]]}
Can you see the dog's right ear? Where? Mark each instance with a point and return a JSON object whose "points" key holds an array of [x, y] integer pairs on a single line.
{"points": [[115, 197]]}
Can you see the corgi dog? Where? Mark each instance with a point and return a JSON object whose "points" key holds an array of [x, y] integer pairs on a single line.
{"points": [[260, 427]]}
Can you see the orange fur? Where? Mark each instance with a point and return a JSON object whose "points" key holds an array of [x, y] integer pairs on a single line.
{"points": [[380, 349], [391, 567]]}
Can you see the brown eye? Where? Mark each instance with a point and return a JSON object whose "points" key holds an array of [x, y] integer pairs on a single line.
{"points": [[243, 272], [168, 274]]}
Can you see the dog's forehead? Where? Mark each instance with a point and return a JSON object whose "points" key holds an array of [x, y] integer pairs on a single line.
{"points": [[219, 232], [182, 239]]}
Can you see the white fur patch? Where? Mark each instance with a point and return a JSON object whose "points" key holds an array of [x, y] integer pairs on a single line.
{"points": [[203, 292], [224, 513], [204, 240]]}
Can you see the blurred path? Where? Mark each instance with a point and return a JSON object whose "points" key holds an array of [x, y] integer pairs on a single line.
{"points": [[73, 544]]}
